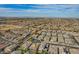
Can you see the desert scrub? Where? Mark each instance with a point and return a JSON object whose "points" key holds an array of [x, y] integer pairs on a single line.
{"points": [[23, 49], [31, 51], [8, 27], [43, 52], [30, 39]]}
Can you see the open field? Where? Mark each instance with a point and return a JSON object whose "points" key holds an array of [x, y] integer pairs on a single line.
{"points": [[39, 36]]}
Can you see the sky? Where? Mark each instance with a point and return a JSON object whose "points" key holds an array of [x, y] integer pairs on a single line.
{"points": [[39, 10]]}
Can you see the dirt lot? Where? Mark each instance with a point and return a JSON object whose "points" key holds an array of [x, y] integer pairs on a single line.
{"points": [[43, 36]]}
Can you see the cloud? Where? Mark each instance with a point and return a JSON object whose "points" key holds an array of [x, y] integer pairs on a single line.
{"points": [[17, 10], [49, 10]]}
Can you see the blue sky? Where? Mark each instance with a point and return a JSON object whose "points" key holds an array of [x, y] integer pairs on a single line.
{"points": [[39, 10]]}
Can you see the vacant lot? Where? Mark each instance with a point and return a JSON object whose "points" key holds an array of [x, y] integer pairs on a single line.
{"points": [[39, 36]]}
